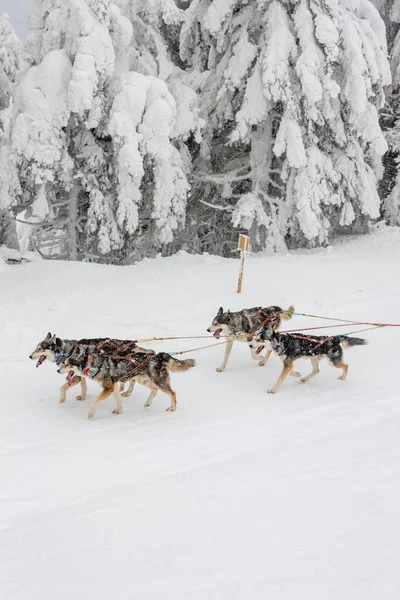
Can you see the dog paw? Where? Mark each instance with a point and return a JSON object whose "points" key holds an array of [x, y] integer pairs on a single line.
{"points": [[80, 397], [342, 377], [271, 391], [90, 415], [303, 379], [170, 409], [62, 400], [126, 394], [118, 411], [262, 362], [146, 405], [220, 369], [295, 374]]}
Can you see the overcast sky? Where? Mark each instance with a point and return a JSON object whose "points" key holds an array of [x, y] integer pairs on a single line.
{"points": [[18, 11]]}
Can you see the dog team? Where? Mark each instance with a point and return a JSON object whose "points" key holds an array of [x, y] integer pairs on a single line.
{"points": [[113, 363]]}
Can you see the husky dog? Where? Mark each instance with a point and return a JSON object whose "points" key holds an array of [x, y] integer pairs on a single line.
{"points": [[151, 370], [290, 347], [57, 350], [244, 324]]}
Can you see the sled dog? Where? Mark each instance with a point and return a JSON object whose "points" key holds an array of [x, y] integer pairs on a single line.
{"points": [[150, 370], [241, 326], [57, 350], [290, 347]]}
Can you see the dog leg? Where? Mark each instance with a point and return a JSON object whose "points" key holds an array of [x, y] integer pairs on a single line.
{"points": [[63, 390], [337, 361], [153, 392], [119, 410], [344, 368], [172, 395], [104, 394], [263, 361], [228, 349], [314, 372], [287, 367], [165, 387], [82, 395], [129, 390]]}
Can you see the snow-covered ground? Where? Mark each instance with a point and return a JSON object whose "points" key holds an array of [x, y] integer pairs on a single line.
{"points": [[239, 494]]}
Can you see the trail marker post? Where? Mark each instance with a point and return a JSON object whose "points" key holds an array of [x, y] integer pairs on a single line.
{"points": [[243, 246]]}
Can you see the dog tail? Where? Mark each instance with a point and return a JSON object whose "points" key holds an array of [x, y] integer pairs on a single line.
{"points": [[288, 314], [176, 365], [348, 342]]}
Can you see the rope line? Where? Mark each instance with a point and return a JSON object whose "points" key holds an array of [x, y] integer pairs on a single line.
{"points": [[366, 329], [178, 337], [347, 320], [313, 328], [343, 323], [200, 348]]}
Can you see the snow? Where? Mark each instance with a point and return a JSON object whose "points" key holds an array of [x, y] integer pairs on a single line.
{"points": [[43, 113], [243, 55], [281, 49], [143, 117], [249, 209], [238, 494], [94, 63], [10, 48], [216, 14]]}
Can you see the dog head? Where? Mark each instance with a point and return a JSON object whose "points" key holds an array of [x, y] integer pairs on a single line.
{"points": [[262, 338], [47, 349], [70, 368], [221, 324]]}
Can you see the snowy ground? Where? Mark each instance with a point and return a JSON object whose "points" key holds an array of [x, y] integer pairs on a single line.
{"points": [[237, 495]]}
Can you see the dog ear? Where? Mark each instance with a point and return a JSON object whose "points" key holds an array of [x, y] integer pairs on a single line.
{"points": [[53, 339], [229, 311], [58, 342], [220, 311], [48, 336]]}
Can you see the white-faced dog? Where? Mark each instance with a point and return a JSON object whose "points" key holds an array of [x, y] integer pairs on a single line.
{"points": [[241, 326]]}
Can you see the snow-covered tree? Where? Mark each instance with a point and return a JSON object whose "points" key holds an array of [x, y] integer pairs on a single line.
{"points": [[11, 52], [290, 92], [96, 132], [390, 115], [10, 63]]}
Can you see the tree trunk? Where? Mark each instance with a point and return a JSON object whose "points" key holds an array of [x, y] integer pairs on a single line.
{"points": [[72, 244], [260, 162]]}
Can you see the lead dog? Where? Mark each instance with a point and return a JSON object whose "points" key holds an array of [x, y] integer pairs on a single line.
{"points": [[290, 347], [57, 350], [241, 326], [151, 370]]}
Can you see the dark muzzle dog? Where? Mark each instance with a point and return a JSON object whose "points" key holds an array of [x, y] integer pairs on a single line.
{"points": [[290, 347]]}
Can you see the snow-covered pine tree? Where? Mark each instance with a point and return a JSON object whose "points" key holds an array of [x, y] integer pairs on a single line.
{"points": [[390, 115], [92, 136], [11, 52], [142, 123], [289, 90]]}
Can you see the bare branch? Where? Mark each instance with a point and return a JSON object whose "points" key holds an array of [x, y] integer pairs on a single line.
{"points": [[217, 206]]}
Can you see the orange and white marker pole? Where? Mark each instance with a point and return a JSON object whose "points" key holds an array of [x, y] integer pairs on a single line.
{"points": [[243, 246]]}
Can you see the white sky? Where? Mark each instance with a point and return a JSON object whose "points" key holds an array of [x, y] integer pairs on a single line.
{"points": [[18, 11]]}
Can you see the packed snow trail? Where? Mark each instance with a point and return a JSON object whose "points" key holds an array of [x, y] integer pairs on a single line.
{"points": [[237, 495]]}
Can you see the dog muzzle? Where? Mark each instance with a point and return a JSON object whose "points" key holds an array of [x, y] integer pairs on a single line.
{"points": [[41, 360]]}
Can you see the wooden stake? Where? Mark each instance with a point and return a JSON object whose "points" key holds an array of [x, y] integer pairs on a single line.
{"points": [[243, 246]]}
